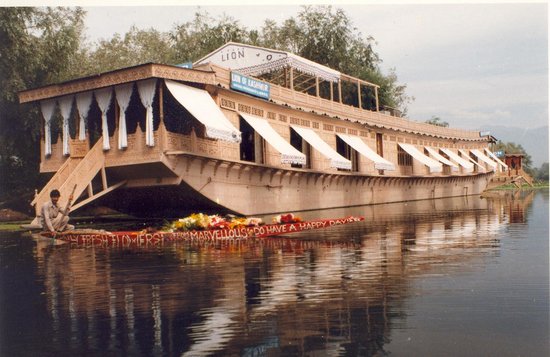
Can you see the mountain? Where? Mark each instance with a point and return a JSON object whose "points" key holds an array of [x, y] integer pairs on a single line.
{"points": [[534, 141]]}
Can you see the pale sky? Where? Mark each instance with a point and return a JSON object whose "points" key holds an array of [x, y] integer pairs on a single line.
{"points": [[471, 64]]}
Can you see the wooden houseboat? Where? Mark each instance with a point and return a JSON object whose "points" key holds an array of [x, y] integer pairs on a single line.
{"points": [[247, 130]]}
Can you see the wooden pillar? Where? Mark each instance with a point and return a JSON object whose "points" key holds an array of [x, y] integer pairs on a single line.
{"points": [[376, 96], [331, 91], [291, 78], [359, 94], [161, 129], [340, 91], [317, 86]]}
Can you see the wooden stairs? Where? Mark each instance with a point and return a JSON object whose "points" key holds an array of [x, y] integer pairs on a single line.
{"points": [[76, 172]]}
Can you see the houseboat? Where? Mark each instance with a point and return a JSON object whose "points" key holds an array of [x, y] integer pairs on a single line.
{"points": [[247, 130]]}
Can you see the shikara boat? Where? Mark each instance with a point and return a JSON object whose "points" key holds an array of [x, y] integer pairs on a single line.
{"points": [[89, 237]]}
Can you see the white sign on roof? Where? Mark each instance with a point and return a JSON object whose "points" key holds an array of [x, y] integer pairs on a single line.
{"points": [[238, 56], [252, 60]]}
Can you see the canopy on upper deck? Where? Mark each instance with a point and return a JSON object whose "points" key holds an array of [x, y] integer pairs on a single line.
{"points": [[289, 154], [433, 165], [356, 143], [336, 160]]}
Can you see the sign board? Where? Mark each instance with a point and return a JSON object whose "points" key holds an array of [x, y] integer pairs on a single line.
{"points": [[249, 85], [185, 65], [499, 153], [484, 133]]}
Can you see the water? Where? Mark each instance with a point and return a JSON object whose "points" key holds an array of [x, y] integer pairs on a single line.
{"points": [[448, 277]]}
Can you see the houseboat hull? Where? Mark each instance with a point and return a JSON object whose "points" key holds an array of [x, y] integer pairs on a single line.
{"points": [[208, 185]]}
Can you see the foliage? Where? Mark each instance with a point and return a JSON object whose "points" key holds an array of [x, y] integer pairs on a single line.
{"points": [[195, 39], [37, 47], [135, 47], [437, 121], [541, 174], [327, 36]]}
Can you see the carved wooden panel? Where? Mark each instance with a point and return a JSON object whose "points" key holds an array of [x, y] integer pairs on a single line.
{"points": [[78, 148]]}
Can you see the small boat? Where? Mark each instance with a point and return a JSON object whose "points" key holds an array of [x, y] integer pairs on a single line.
{"points": [[90, 237]]}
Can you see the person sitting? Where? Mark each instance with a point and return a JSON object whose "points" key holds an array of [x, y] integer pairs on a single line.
{"points": [[54, 218]]}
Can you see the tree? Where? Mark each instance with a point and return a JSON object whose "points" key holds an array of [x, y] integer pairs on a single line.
{"points": [[328, 37], [437, 121], [135, 47], [541, 174], [38, 46], [195, 39]]}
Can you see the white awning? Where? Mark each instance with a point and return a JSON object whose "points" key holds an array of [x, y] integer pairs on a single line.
{"points": [[494, 157], [336, 160], [466, 164], [289, 154], [379, 162], [201, 105], [441, 159], [466, 156], [484, 158], [433, 165]]}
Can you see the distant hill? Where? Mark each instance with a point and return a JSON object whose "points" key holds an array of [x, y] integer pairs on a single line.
{"points": [[534, 141]]}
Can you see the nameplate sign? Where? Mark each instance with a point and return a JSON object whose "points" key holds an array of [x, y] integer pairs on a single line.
{"points": [[249, 85]]}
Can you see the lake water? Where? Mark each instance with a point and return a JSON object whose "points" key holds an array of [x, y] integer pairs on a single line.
{"points": [[449, 277]]}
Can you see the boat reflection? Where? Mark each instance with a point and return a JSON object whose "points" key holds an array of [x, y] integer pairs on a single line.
{"points": [[336, 291]]}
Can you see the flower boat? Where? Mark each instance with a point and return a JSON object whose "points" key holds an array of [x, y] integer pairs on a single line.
{"points": [[191, 229]]}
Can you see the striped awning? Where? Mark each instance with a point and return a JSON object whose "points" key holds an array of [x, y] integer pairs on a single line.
{"points": [[484, 158], [336, 160], [201, 105], [466, 156], [465, 163], [494, 157], [289, 154], [441, 159], [356, 143], [433, 165]]}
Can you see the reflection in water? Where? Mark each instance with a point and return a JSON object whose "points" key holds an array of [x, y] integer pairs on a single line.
{"points": [[340, 291]]}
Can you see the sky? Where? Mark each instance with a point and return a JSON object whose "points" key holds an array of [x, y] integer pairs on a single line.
{"points": [[470, 64]]}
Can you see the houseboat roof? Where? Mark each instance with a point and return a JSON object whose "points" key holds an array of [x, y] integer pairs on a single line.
{"points": [[255, 61]]}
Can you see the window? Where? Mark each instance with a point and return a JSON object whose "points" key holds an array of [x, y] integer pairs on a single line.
{"points": [[403, 158], [252, 144], [302, 146], [348, 152]]}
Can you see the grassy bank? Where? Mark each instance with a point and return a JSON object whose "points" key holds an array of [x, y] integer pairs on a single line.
{"points": [[536, 186], [12, 226]]}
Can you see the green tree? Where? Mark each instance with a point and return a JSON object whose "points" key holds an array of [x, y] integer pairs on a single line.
{"points": [[541, 174], [437, 121], [38, 46], [327, 36], [195, 39], [135, 47]]}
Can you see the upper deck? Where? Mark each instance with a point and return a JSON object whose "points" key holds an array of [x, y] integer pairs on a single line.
{"points": [[217, 76]]}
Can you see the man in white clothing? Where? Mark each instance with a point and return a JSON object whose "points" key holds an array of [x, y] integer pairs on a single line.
{"points": [[54, 218]]}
